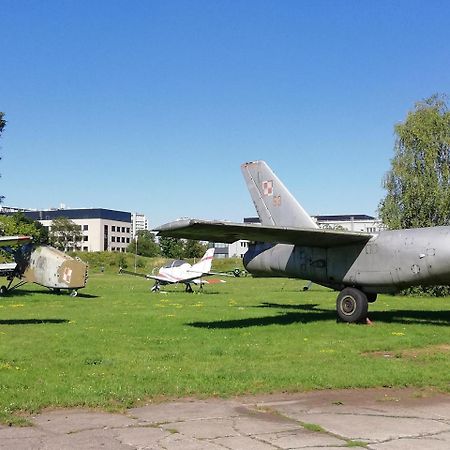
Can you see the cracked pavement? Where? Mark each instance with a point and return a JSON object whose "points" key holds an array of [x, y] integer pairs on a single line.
{"points": [[378, 419]]}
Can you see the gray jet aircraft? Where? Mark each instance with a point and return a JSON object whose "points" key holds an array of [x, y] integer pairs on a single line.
{"points": [[288, 243]]}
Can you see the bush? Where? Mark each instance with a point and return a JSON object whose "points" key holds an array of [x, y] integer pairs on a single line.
{"points": [[427, 291]]}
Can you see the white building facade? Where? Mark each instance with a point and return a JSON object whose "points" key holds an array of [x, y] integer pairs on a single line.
{"points": [[138, 223], [350, 222], [102, 229]]}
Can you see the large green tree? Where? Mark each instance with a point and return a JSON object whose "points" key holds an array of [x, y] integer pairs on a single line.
{"points": [[2, 122], [418, 183], [145, 245], [2, 126], [193, 249], [64, 234], [18, 224], [171, 247]]}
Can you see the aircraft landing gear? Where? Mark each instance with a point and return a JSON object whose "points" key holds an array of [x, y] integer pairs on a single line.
{"points": [[3, 290], [73, 293], [352, 305], [189, 288], [155, 288]]}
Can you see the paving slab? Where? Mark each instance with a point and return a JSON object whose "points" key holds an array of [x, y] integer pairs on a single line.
{"points": [[384, 419], [72, 420], [185, 410], [301, 438]]}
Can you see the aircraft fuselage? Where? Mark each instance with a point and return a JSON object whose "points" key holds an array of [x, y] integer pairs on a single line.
{"points": [[390, 261]]}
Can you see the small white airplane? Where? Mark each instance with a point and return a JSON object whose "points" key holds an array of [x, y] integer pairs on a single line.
{"points": [[180, 271]]}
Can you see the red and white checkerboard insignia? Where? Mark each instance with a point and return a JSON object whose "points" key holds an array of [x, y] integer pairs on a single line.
{"points": [[267, 188]]}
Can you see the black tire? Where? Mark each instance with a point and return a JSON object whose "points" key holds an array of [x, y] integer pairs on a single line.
{"points": [[3, 290], [352, 305], [371, 298]]}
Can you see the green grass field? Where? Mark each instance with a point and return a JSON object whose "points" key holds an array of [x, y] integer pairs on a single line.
{"points": [[117, 344]]}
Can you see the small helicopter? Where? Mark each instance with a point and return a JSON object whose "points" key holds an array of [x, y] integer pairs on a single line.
{"points": [[43, 265]]}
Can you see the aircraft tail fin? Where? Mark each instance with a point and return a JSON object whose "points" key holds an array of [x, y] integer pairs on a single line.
{"points": [[274, 204], [204, 265]]}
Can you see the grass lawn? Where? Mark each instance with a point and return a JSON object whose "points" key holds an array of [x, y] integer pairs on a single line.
{"points": [[117, 344]]}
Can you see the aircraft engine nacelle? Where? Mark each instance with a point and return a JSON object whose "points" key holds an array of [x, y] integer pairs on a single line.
{"points": [[54, 269]]}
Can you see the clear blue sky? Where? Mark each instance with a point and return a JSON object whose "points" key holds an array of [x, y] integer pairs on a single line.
{"points": [[152, 106]]}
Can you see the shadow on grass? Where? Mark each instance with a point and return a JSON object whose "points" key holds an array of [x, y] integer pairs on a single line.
{"points": [[20, 293], [84, 295], [31, 321], [311, 313]]}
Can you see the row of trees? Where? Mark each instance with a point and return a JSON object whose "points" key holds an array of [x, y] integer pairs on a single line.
{"points": [[145, 245]]}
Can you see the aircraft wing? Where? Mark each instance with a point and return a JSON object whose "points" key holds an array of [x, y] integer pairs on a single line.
{"points": [[7, 269], [6, 241], [217, 231]]}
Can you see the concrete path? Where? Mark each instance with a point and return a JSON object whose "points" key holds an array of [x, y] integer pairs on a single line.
{"points": [[380, 419]]}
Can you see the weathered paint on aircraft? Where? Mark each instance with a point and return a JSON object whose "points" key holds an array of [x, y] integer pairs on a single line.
{"points": [[289, 244], [52, 268]]}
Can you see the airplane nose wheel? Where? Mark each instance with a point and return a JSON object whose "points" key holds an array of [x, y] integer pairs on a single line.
{"points": [[3, 290], [73, 293], [352, 305]]}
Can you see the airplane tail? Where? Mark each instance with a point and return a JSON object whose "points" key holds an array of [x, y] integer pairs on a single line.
{"points": [[204, 265], [274, 204]]}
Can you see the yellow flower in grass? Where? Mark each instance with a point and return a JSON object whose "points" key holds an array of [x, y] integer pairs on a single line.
{"points": [[397, 333]]}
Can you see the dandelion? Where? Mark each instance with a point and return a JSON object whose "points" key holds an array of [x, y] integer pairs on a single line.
{"points": [[398, 333]]}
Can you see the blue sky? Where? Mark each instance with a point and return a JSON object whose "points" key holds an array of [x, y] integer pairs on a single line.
{"points": [[152, 106]]}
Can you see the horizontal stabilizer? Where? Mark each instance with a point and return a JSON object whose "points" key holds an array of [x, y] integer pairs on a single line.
{"points": [[216, 231]]}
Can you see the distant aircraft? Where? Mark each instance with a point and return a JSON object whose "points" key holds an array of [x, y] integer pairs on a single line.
{"points": [[288, 243], [42, 265], [179, 271]]}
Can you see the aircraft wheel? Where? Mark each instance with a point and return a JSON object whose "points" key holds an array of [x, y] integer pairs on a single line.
{"points": [[371, 298], [155, 288], [73, 293], [3, 290], [352, 305]]}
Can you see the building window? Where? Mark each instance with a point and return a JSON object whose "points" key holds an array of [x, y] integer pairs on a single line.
{"points": [[128, 230], [113, 239], [105, 238], [85, 238], [85, 227], [85, 249], [113, 228], [123, 240], [123, 229], [128, 240]]}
